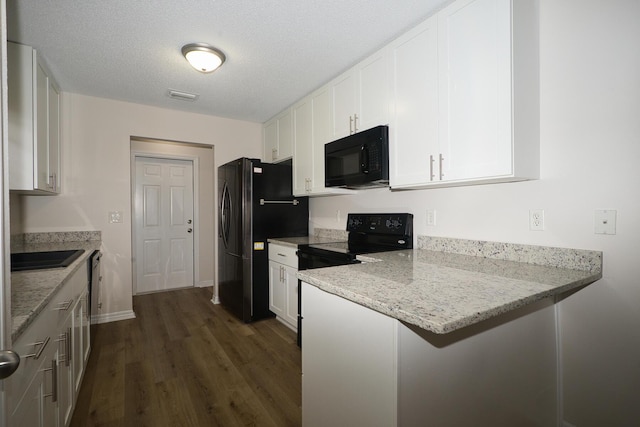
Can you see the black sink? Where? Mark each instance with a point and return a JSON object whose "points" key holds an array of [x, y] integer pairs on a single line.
{"points": [[40, 260]]}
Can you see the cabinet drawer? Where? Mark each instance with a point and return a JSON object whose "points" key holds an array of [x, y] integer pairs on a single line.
{"points": [[38, 340], [284, 255]]}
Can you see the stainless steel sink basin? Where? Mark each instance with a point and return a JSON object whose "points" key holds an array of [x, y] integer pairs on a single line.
{"points": [[40, 260]]}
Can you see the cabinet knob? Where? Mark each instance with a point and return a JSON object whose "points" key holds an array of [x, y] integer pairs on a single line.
{"points": [[9, 362]]}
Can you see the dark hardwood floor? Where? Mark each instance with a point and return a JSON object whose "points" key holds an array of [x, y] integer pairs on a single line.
{"points": [[186, 362]]}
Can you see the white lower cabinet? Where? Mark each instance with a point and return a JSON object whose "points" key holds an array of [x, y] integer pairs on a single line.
{"points": [[53, 354], [283, 284], [348, 363], [363, 368]]}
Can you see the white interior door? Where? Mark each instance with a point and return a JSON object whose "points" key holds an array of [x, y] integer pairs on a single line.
{"points": [[164, 224]]}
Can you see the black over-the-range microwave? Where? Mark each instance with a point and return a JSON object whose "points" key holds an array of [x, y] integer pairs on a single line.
{"points": [[358, 160]]}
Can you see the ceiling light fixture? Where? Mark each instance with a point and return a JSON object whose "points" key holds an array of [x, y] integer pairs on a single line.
{"points": [[203, 57]]}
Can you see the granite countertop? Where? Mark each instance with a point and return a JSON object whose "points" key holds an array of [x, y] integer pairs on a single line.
{"points": [[442, 291], [32, 290], [305, 240]]}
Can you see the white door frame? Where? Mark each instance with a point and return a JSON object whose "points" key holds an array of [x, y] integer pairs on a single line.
{"points": [[196, 217]]}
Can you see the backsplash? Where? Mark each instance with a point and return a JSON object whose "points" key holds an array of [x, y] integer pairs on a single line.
{"points": [[574, 259], [330, 233], [19, 240]]}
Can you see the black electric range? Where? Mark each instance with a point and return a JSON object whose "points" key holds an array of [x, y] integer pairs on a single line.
{"points": [[368, 233]]}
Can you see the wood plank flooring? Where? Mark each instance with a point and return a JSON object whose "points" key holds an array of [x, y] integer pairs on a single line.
{"points": [[186, 362]]}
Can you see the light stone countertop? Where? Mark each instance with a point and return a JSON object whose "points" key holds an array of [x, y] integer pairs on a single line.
{"points": [[442, 291], [32, 290], [319, 235]]}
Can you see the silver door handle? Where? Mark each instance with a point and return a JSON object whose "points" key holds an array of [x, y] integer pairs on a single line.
{"points": [[189, 230], [9, 362], [188, 221]]}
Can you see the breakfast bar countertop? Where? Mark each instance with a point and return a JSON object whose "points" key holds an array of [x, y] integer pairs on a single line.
{"points": [[448, 284], [31, 290]]}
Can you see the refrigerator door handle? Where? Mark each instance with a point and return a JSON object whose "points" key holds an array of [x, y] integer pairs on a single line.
{"points": [[225, 214]]}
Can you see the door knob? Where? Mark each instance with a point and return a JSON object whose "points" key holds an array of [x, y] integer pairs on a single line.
{"points": [[189, 230], [188, 221], [9, 362]]}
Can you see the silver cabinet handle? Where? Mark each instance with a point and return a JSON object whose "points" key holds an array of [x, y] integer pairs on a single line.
{"points": [[431, 175], [54, 381], [69, 348], [64, 306], [355, 123], [441, 172], [38, 353], [350, 125]]}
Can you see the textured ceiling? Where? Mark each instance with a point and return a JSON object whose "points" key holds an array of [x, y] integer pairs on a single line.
{"points": [[277, 50]]}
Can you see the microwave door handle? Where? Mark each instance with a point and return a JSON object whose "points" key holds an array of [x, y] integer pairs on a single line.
{"points": [[364, 159]]}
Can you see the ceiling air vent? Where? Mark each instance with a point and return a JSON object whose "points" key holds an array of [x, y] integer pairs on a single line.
{"points": [[183, 96]]}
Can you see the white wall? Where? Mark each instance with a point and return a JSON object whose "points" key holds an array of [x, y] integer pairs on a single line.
{"points": [[96, 137], [590, 156]]}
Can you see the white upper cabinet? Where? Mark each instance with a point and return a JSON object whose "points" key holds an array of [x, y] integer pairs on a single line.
{"points": [[278, 138], [487, 120], [303, 167], [312, 130], [360, 97], [413, 131], [460, 93], [34, 123]]}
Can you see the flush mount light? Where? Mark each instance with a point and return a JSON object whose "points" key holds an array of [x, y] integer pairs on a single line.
{"points": [[203, 57]]}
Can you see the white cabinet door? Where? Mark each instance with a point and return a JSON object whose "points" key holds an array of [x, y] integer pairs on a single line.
{"points": [[41, 117], [413, 132], [360, 97], [373, 91], [312, 127], [291, 289], [303, 147], [348, 363], [277, 291], [278, 138], [66, 389], [475, 89], [28, 411], [270, 140], [54, 137], [86, 327], [34, 123], [343, 104]]}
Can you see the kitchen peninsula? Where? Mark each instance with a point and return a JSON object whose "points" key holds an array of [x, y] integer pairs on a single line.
{"points": [[462, 332]]}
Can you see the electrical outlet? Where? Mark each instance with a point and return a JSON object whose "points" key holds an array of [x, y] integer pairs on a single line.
{"points": [[115, 217], [536, 220], [431, 217]]}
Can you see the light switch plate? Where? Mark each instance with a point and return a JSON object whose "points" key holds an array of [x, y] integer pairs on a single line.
{"points": [[115, 217], [605, 221]]}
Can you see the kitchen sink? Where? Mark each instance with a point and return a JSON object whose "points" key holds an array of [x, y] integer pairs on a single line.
{"points": [[40, 260]]}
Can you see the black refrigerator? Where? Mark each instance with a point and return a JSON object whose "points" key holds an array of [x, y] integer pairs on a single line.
{"points": [[255, 204]]}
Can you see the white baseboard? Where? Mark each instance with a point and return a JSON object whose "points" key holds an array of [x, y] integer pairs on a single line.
{"points": [[112, 317], [215, 300], [566, 424]]}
